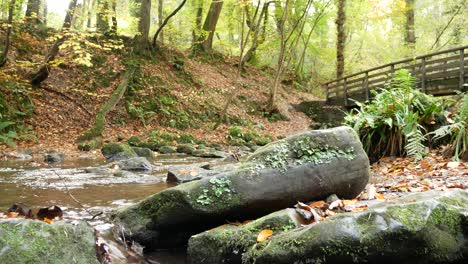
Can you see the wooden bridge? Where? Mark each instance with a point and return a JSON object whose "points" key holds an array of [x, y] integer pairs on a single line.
{"points": [[439, 73]]}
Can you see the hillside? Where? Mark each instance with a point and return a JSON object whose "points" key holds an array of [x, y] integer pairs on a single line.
{"points": [[173, 92]]}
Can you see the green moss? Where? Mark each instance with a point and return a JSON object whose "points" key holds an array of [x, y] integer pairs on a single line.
{"points": [[410, 215], [118, 150], [28, 241], [446, 218], [134, 141]]}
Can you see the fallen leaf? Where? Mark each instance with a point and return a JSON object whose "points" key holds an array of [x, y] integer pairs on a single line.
{"points": [[379, 196], [47, 220], [317, 204], [453, 164], [264, 235], [12, 215]]}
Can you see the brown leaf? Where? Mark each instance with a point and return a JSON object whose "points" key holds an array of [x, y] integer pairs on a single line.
{"points": [[264, 235]]}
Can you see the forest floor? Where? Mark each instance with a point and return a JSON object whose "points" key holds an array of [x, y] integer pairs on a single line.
{"points": [[177, 86]]}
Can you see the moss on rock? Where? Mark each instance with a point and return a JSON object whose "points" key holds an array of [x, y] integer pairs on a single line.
{"points": [[117, 151], [30, 241]]}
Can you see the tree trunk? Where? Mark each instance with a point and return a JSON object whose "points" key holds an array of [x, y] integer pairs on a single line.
{"points": [[89, 15], [410, 36], [32, 12], [280, 64], [341, 38], [164, 23], [4, 55], [45, 11], [257, 40], [102, 16], [210, 25], [141, 39], [92, 138], [198, 20], [114, 17], [160, 18], [43, 73]]}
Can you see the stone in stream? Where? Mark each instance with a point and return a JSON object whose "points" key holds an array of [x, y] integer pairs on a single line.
{"points": [[54, 156], [133, 164], [308, 166], [117, 151], [429, 227], [31, 241], [144, 152]]}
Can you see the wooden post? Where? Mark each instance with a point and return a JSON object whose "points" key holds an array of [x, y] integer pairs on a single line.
{"points": [[392, 69], [423, 74], [366, 85], [462, 70], [345, 87]]}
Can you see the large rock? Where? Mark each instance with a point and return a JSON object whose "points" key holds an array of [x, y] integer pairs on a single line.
{"points": [[428, 227], [307, 166], [188, 173], [117, 151], [133, 164], [30, 241]]}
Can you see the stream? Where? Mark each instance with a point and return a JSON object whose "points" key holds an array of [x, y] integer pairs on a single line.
{"points": [[38, 185]]}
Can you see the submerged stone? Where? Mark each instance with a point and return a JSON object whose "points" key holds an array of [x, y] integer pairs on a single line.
{"points": [[308, 166], [31, 241]]}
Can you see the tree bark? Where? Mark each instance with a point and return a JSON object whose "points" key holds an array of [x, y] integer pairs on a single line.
{"points": [[198, 20], [4, 55], [32, 12], [164, 23], [45, 11], [160, 18], [43, 73], [92, 138], [141, 39], [102, 16], [410, 36], [114, 17], [340, 38], [210, 25]]}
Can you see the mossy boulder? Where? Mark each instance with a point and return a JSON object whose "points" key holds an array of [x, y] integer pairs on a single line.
{"points": [[144, 152], [134, 164], [117, 151], [429, 227], [167, 150], [308, 166], [30, 241], [186, 148], [227, 243]]}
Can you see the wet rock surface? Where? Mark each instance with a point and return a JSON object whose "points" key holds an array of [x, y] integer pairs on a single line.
{"points": [[30, 241], [304, 167], [427, 227]]}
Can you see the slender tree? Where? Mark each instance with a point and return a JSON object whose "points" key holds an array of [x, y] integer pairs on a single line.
{"points": [[32, 11], [410, 36], [6, 48], [340, 38], [102, 16], [114, 17], [43, 73], [198, 20], [211, 20], [160, 18], [142, 37], [164, 23]]}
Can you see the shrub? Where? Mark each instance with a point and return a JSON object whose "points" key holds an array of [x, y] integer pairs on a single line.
{"points": [[395, 122], [457, 130], [239, 136]]}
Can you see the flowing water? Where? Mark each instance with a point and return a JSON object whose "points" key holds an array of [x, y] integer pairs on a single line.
{"points": [[38, 185]]}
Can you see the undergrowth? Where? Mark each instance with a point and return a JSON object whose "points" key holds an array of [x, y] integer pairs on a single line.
{"points": [[397, 120]]}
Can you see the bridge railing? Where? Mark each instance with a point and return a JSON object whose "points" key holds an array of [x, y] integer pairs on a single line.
{"points": [[438, 73]]}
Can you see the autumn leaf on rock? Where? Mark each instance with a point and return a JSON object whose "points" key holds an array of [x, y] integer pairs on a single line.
{"points": [[47, 220], [264, 235]]}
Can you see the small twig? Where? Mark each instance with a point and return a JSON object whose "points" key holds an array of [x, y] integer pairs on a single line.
{"points": [[76, 200]]}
